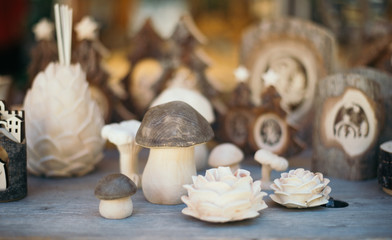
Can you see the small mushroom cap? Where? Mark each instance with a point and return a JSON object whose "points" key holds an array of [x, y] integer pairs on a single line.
{"points": [[173, 124], [120, 133], [115, 186], [276, 162], [225, 154]]}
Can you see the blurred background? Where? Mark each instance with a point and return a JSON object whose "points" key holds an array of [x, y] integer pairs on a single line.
{"points": [[357, 24]]}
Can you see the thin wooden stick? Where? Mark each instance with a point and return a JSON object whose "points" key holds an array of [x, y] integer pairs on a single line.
{"points": [[59, 34], [63, 16]]}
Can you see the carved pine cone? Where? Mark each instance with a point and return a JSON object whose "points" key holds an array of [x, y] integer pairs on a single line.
{"points": [[63, 124], [221, 196], [301, 189]]}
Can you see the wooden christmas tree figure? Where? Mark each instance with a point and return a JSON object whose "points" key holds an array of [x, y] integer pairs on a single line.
{"points": [[147, 64], [89, 52], [44, 51]]}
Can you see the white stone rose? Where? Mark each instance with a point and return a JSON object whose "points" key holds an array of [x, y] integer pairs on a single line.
{"points": [[301, 189], [221, 196]]}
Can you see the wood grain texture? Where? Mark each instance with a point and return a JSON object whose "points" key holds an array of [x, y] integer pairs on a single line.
{"points": [[67, 208]]}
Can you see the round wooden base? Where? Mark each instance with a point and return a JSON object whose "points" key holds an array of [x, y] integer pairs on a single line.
{"points": [[387, 190]]}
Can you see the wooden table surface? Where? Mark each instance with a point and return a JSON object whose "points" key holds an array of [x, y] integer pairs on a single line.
{"points": [[67, 208]]}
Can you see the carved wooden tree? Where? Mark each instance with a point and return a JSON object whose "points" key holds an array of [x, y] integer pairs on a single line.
{"points": [[236, 121], [293, 54], [269, 128], [377, 54], [89, 54], [349, 117], [44, 51], [184, 50], [148, 64]]}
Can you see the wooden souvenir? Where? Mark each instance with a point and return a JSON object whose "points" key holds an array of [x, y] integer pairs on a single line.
{"points": [[270, 130], [13, 173], [89, 53], [301, 188], [147, 55], [123, 136], [170, 131], [349, 117], [63, 123], [115, 191], [44, 51], [385, 82], [377, 54], [223, 196], [385, 167], [269, 161], [292, 55], [166, 60]]}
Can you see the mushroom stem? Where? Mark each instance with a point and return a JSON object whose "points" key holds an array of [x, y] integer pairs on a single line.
{"points": [[166, 171], [129, 161], [266, 176], [234, 167], [117, 208]]}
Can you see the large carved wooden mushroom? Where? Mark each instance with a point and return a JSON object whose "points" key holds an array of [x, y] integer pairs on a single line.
{"points": [[171, 131]]}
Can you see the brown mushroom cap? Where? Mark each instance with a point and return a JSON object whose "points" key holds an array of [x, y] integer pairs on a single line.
{"points": [[173, 124], [115, 186]]}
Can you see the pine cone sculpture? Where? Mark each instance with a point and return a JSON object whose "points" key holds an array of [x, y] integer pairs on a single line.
{"points": [[301, 189], [221, 196], [63, 124]]}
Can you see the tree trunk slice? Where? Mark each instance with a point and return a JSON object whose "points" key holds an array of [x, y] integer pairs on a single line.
{"points": [[385, 82], [348, 121], [385, 167]]}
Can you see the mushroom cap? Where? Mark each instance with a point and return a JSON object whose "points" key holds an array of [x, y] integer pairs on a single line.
{"points": [[115, 186], [276, 162], [120, 133], [225, 154], [173, 124], [192, 97]]}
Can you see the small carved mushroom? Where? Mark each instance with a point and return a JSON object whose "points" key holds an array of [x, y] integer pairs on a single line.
{"points": [[115, 191], [226, 155], [123, 136], [269, 161], [170, 130]]}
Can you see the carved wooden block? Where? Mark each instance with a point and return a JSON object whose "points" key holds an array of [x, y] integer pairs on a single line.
{"points": [[292, 55], [385, 167], [13, 173], [349, 117]]}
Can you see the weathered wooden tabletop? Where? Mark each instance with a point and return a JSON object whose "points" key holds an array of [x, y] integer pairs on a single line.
{"points": [[67, 208]]}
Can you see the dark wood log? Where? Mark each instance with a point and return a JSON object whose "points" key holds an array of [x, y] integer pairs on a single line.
{"points": [[384, 172], [349, 115]]}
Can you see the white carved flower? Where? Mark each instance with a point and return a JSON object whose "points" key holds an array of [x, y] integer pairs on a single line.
{"points": [[221, 196], [301, 189]]}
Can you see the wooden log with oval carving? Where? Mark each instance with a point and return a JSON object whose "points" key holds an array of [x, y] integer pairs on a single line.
{"points": [[349, 115]]}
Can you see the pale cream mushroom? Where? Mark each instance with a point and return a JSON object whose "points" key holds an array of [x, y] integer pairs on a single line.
{"points": [[269, 162], [123, 136], [226, 155], [115, 193], [198, 102], [171, 131]]}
